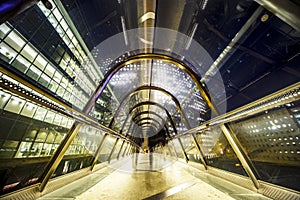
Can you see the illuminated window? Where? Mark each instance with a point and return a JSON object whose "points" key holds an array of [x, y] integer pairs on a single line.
{"points": [[4, 97], [40, 62], [34, 72], [49, 70], [40, 113], [21, 63], [60, 91], [59, 30], [57, 77], [29, 53], [57, 119], [44, 80], [53, 20], [4, 29], [57, 14], [64, 24], [15, 41], [28, 110], [8, 54], [53, 86], [49, 117], [14, 105]]}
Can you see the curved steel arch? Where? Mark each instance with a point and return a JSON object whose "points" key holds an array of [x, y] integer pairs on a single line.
{"points": [[143, 112], [148, 112], [154, 113], [171, 121], [246, 162], [154, 104], [111, 72], [146, 87], [148, 118]]}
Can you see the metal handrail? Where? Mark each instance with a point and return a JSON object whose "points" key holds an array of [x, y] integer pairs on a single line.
{"points": [[65, 109], [250, 109]]}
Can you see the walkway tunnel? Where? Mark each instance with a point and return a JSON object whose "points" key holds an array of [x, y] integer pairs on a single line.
{"points": [[150, 99]]}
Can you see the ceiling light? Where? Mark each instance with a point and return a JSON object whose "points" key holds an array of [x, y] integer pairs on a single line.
{"points": [[146, 16]]}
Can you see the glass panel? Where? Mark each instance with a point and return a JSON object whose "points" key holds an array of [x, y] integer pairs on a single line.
{"points": [[57, 119], [15, 41], [53, 20], [45, 10], [40, 62], [29, 53], [57, 77], [218, 152], [271, 140], [7, 53], [49, 117], [4, 29], [81, 151], [178, 149], [40, 113], [106, 150], [189, 148], [14, 105], [26, 144], [4, 97], [21, 63], [117, 149], [57, 14], [33, 72], [44, 80], [53, 86], [50, 70], [29, 109]]}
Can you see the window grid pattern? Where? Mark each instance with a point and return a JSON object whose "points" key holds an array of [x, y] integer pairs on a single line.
{"points": [[59, 23], [23, 56]]}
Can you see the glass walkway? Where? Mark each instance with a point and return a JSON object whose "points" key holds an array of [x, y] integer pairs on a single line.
{"points": [[150, 99], [163, 179]]}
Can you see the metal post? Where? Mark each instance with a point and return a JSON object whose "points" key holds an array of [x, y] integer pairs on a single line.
{"points": [[183, 151], [129, 150], [97, 154], [58, 155], [174, 149], [118, 156], [233, 141], [200, 151], [112, 151], [169, 150], [127, 146]]}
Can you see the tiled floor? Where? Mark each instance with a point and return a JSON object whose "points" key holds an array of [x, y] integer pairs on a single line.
{"points": [[164, 179]]}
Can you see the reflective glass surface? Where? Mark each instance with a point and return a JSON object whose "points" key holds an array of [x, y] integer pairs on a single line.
{"points": [[81, 151], [30, 134], [271, 140], [106, 149], [218, 152]]}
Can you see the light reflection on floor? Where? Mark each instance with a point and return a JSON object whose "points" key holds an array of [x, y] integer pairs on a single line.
{"points": [[139, 163], [163, 178]]}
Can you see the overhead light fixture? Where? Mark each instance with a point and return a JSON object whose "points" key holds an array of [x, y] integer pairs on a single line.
{"points": [[146, 16], [145, 41], [47, 4]]}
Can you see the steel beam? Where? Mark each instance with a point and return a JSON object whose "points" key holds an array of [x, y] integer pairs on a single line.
{"points": [[183, 151], [112, 151], [118, 156], [97, 154], [287, 10]]}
